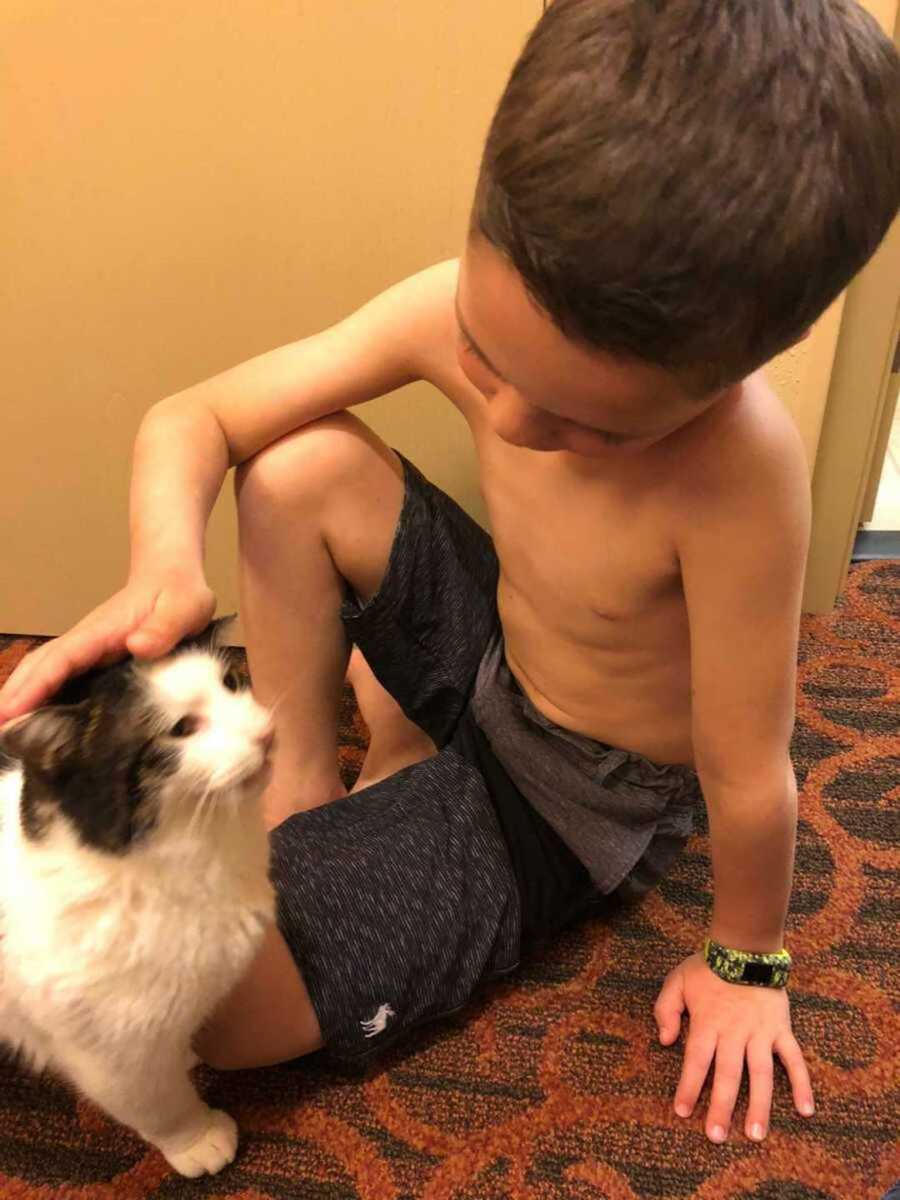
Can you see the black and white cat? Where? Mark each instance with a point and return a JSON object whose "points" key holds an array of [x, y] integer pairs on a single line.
{"points": [[134, 885]]}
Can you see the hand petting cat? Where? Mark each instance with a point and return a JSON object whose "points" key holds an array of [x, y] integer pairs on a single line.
{"points": [[146, 618]]}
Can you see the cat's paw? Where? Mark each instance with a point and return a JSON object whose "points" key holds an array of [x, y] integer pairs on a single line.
{"points": [[214, 1149]]}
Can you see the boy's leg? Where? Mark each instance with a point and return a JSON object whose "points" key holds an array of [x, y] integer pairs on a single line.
{"points": [[323, 504], [394, 741], [318, 507], [315, 508], [395, 904], [267, 1018]]}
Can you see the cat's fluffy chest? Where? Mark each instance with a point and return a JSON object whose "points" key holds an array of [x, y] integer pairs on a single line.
{"points": [[134, 884], [136, 942]]}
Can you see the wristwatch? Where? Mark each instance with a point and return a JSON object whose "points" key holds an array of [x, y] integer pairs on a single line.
{"points": [[742, 966]]}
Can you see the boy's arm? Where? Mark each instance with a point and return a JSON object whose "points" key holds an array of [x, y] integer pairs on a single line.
{"points": [[187, 442], [743, 557], [742, 547]]}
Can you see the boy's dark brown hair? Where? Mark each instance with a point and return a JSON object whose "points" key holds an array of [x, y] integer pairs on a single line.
{"points": [[691, 182]]}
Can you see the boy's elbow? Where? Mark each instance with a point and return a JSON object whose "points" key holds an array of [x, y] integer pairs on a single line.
{"points": [[768, 780]]}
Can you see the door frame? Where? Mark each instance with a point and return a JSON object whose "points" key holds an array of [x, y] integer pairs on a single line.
{"points": [[858, 396]]}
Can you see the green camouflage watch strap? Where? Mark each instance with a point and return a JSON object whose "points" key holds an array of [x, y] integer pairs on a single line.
{"points": [[741, 966]]}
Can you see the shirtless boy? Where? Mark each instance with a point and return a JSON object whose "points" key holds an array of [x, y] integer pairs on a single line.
{"points": [[671, 193]]}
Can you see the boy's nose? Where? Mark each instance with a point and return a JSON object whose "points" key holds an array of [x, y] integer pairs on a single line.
{"points": [[515, 421]]}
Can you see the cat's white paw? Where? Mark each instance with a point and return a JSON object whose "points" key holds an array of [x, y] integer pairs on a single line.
{"points": [[213, 1150]]}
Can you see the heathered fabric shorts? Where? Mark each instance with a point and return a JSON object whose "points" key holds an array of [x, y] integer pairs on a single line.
{"points": [[396, 902], [399, 900]]}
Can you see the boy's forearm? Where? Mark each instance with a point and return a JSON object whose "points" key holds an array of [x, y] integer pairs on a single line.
{"points": [[752, 839], [180, 461]]}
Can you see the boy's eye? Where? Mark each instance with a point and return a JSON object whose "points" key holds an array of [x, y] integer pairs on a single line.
{"points": [[185, 727], [471, 348], [231, 680]]}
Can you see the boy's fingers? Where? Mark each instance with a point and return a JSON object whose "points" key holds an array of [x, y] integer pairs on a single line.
{"points": [[23, 691], [759, 1068], [164, 625], [21, 683], [726, 1084], [669, 1007], [44, 670], [149, 642], [698, 1055], [788, 1050]]}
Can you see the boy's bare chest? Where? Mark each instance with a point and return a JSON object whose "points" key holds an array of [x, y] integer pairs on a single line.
{"points": [[582, 549]]}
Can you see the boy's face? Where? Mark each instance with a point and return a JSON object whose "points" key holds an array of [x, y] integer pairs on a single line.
{"points": [[545, 392]]}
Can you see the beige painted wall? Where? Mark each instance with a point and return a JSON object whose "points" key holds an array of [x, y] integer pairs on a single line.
{"points": [[800, 376], [187, 186]]}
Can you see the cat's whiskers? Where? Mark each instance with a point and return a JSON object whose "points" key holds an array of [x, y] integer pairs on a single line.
{"points": [[196, 815], [278, 701]]}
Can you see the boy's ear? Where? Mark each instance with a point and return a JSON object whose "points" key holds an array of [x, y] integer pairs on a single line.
{"points": [[43, 739], [210, 637]]}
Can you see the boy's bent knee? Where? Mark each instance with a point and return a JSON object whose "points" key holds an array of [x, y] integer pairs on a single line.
{"points": [[309, 460]]}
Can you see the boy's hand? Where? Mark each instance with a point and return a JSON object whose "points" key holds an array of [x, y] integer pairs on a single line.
{"points": [[727, 1022], [146, 618]]}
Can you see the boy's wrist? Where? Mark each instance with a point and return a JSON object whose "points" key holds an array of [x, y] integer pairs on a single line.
{"points": [[167, 566], [180, 462], [772, 969], [750, 943], [165, 559]]}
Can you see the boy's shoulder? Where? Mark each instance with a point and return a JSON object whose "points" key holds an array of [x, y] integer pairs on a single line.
{"points": [[419, 313], [744, 444], [428, 299], [743, 471]]}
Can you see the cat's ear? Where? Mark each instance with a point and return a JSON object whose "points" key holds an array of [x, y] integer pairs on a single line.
{"points": [[209, 638], [44, 738]]}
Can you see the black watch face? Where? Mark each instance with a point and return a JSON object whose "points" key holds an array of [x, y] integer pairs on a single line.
{"points": [[758, 972]]}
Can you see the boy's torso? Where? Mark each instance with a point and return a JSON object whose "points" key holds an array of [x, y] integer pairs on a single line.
{"points": [[590, 595]]}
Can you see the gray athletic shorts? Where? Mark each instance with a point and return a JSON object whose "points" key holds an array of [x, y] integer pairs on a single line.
{"points": [[399, 900]]}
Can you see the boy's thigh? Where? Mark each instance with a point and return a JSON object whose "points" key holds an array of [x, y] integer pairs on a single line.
{"points": [[267, 1018], [397, 902], [425, 630]]}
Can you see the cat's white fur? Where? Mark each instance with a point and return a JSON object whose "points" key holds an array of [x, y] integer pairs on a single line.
{"points": [[109, 963]]}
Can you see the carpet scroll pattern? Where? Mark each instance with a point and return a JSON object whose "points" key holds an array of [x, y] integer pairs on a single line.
{"points": [[553, 1086]]}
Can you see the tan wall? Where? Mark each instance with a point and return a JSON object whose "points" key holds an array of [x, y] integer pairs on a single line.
{"points": [[192, 184], [188, 185], [801, 377]]}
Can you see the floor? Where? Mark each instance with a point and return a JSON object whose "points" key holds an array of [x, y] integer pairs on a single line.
{"points": [[887, 504]]}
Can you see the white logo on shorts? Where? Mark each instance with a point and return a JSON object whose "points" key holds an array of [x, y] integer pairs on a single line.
{"points": [[378, 1023]]}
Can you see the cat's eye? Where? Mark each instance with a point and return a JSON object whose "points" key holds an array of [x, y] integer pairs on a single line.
{"points": [[185, 727], [232, 680]]}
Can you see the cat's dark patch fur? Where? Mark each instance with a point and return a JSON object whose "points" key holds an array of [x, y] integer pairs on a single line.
{"points": [[95, 753]]}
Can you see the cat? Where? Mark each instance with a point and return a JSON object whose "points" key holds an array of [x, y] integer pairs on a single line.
{"points": [[134, 884]]}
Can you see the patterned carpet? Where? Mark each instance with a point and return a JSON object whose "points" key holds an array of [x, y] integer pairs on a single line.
{"points": [[554, 1086]]}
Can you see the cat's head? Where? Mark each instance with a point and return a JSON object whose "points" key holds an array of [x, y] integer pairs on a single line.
{"points": [[134, 750]]}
